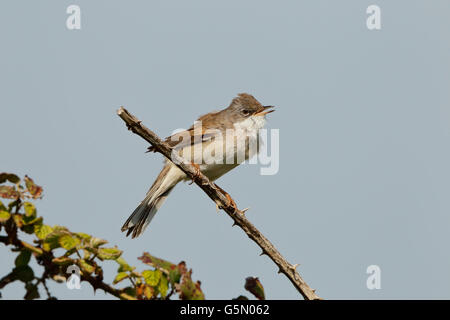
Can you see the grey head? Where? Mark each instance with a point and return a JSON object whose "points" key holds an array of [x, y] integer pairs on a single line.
{"points": [[244, 106]]}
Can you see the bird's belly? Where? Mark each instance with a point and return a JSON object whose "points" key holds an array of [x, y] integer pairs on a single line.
{"points": [[219, 156], [215, 171]]}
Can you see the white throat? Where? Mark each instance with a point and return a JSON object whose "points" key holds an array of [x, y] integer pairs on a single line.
{"points": [[253, 123]]}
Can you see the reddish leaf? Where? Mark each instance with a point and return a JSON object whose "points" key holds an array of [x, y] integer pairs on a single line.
{"points": [[190, 290], [9, 192], [161, 264], [34, 190]]}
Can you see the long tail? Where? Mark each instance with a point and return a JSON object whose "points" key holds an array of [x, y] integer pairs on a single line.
{"points": [[144, 213]]}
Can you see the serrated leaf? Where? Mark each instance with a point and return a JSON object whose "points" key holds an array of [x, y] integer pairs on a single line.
{"points": [[120, 276], [87, 266], [23, 258], [152, 277], [42, 230], [109, 253], [254, 286], [68, 242], [4, 216]]}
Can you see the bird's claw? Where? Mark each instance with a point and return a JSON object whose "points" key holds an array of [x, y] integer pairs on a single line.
{"points": [[230, 201], [197, 173]]}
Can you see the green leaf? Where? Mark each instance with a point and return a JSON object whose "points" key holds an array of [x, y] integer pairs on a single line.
{"points": [[4, 216], [123, 265], [131, 291], [23, 273], [30, 221], [42, 230], [120, 276], [190, 290], [84, 236], [87, 266], [97, 242], [163, 286], [109, 253], [149, 292], [2, 207], [18, 220], [23, 258], [11, 177], [254, 286], [152, 277], [68, 242], [176, 271], [30, 209], [51, 241], [32, 291]]}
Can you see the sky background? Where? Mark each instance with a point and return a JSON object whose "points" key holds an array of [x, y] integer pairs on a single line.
{"points": [[364, 120]]}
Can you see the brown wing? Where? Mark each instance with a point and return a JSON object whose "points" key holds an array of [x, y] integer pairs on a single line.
{"points": [[178, 139]]}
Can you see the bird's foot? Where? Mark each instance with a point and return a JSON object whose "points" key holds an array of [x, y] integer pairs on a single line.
{"points": [[230, 201], [197, 173]]}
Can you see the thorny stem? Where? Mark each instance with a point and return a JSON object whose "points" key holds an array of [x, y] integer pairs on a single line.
{"points": [[221, 200]]}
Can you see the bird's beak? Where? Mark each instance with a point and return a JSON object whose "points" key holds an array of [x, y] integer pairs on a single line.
{"points": [[264, 111]]}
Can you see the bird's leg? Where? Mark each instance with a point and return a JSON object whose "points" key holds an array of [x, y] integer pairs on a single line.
{"points": [[230, 200], [197, 172]]}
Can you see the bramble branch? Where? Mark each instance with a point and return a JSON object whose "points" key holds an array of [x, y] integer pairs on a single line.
{"points": [[220, 199]]}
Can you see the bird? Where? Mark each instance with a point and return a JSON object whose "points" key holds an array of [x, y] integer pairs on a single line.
{"points": [[218, 154]]}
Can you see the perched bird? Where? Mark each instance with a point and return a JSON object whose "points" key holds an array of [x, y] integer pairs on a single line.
{"points": [[207, 145]]}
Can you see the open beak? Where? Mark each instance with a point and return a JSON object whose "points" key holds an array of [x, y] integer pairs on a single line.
{"points": [[264, 111]]}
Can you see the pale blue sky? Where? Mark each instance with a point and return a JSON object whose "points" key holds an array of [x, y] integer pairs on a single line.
{"points": [[364, 120]]}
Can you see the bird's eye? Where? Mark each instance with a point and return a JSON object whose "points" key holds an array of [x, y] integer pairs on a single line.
{"points": [[245, 112]]}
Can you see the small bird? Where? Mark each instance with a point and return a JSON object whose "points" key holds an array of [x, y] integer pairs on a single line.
{"points": [[245, 115]]}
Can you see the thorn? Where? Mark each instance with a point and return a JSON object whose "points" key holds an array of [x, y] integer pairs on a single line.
{"points": [[234, 224], [279, 270], [314, 290], [262, 253], [244, 210], [295, 266]]}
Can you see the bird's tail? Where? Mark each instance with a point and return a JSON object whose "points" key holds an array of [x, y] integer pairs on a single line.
{"points": [[144, 213]]}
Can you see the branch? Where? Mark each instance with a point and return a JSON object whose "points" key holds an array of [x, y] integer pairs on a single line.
{"points": [[52, 268], [220, 199]]}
